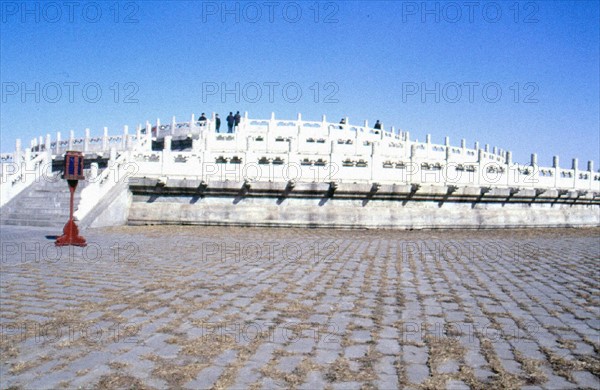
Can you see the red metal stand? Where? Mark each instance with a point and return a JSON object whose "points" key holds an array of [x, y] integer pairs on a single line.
{"points": [[71, 231], [73, 172]]}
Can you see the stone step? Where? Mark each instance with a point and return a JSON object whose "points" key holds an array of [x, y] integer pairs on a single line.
{"points": [[44, 203], [38, 214], [38, 193], [34, 208], [48, 197], [26, 202], [32, 222], [41, 217]]}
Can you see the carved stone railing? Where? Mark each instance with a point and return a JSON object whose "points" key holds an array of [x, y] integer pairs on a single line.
{"points": [[21, 172], [101, 185], [292, 150], [119, 170]]}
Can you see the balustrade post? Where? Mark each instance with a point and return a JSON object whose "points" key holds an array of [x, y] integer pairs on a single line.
{"points": [[376, 164], [57, 145], [71, 139], [534, 167], [481, 166], [591, 174], [125, 144], [487, 148], [509, 171], [112, 158], [112, 155], [167, 144], [299, 123], [148, 136], [575, 168], [105, 144], [196, 145], [555, 163], [47, 154], [93, 172], [463, 143], [18, 153], [534, 159], [324, 127], [40, 142], [476, 145], [157, 128], [48, 146], [271, 125], [173, 125], [27, 160], [192, 124], [86, 140], [293, 146], [413, 157], [138, 135]]}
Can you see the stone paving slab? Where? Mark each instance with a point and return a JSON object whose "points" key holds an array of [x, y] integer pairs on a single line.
{"points": [[217, 307]]}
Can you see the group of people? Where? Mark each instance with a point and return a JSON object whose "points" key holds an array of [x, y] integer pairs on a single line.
{"points": [[233, 121], [377, 125]]}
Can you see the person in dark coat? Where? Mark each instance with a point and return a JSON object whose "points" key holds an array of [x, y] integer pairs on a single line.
{"points": [[342, 122], [377, 126], [238, 118], [230, 122], [217, 122], [202, 120]]}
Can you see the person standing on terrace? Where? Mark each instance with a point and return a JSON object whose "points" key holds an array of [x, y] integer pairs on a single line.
{"points": [[230, 121], [377, 126], [238, 118], [217, 122], [202, 120]]}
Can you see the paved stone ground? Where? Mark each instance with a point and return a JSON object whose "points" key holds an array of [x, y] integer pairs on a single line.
{"points": [[216, 307]]}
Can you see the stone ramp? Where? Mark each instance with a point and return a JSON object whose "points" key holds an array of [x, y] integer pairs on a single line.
{"points": [[45, 203]]}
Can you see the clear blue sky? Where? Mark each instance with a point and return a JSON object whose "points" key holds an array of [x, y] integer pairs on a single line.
{"points": [[365, 58]]}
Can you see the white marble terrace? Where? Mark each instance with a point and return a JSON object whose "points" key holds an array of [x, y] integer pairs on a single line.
{"points": [[287, 150]]}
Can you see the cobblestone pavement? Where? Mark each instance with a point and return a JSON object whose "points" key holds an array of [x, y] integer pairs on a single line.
{"points": [[216, 307]]}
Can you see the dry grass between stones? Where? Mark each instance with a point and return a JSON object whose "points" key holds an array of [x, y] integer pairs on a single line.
{"points": [[340, 371], [503, 379], [176, 375], [531, 367], [565, 367], [120, 381]]}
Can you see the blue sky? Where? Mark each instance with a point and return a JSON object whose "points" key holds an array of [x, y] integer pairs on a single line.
{"points": [[527, 72]]}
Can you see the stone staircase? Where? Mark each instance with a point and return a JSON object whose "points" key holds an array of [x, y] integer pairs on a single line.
{"points": [[44, 203]]}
